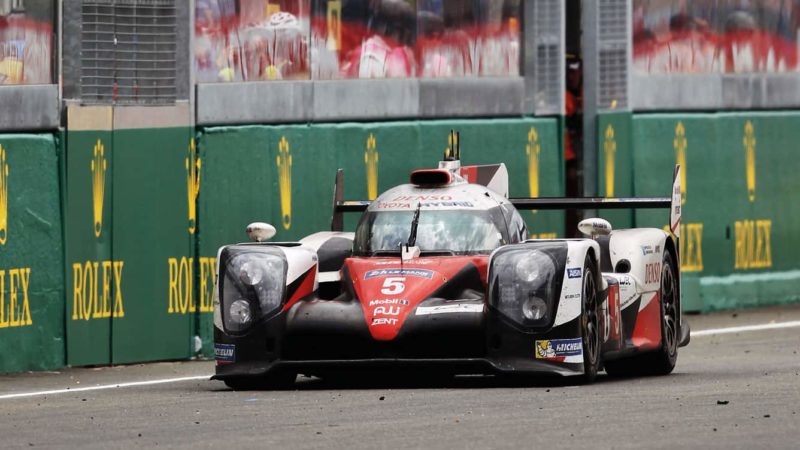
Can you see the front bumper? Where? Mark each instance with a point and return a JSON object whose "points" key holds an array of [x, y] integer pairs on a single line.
{"points": [[319, 337]]}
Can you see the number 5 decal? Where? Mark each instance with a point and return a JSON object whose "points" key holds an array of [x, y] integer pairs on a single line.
{"points": [[393, 286]]}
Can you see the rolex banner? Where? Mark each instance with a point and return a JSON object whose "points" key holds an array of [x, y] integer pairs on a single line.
{"points": [[130, 213], [31, 254], [739, 225]]}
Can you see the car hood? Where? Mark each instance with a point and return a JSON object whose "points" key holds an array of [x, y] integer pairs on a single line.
{"points": [[390, 289]]}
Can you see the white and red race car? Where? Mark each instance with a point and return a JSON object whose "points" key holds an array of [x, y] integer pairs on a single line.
{"points": [[440, 275]]}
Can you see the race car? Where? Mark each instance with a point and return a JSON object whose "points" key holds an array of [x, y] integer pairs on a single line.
{"points": [[440, 276]]}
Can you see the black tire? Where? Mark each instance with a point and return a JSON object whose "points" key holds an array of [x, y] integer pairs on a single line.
{"points": [[661, 361], [590, 331], [273, 381]]}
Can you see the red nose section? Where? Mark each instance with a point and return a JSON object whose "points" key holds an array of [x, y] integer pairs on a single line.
{"points": [[390, 290]]}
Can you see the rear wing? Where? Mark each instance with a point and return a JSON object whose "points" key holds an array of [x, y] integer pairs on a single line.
{"points": [[673, 202]]}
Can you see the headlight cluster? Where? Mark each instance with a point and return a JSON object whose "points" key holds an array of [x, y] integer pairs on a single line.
{"points": [[525, 283], [253, 285]]}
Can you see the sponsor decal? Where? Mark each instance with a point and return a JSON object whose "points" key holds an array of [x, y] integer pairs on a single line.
{"points": [[383, 321], [284, 161], [388, 301], [99, 166], [443, 204], [680, 144], [15, 309], [624, 280], [181, 281], [753, 244], [533, 150], [3, 197], [225, 353], [647, 250], [572, 296], [420, 273], [386, 311], [610, 150], [92, 292], [575, 273], [371, 162], [652, 273], [749, 142], [423, 198], [449, 309], [418, 262], [193, 165], [558, 348], [691, 246]]}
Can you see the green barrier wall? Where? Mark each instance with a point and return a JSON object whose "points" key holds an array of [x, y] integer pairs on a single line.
{"points": [[284, 175], [739, 224], [130, 245], [152, 245], [89, 268], [31, 254]]}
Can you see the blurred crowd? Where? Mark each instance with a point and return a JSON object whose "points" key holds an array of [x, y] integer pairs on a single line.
{"points": [[26, 42], [242, 40], [716, 36]]}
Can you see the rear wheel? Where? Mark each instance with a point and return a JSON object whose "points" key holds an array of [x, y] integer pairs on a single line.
{"points": [[661, 361], [590, 331]]}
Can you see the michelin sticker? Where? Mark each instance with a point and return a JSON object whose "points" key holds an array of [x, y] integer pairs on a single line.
{"points": [[420, 273], [557, 349], [574, 273], [225, 353]]}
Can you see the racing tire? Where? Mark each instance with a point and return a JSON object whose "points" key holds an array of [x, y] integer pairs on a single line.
{"points": [[661, 361], [590, 331], [274, 381]]}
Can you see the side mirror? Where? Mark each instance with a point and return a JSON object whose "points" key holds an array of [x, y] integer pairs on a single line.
{"points": [[260, 231], [594, 227]]}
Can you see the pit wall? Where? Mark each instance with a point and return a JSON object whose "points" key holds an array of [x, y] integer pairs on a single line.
{"points": [[739, 231]]}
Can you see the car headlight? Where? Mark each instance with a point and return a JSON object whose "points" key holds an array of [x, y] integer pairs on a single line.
{"points": [[252, 285], [525, 282]]}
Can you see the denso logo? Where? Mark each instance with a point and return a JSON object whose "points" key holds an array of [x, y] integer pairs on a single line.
{"points": [[422, 198], [388, 301], [652, 273], [420, 273]]}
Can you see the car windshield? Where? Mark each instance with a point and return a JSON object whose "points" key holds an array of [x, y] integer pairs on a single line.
{"points": [[457, 231]]}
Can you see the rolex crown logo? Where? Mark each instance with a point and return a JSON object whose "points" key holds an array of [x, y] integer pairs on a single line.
{"points": [[193, 166], [749, 143], [3, 197], [610, 152], [533, 150], [371, 163], [680, 143], [285, 181], [99, 167]]}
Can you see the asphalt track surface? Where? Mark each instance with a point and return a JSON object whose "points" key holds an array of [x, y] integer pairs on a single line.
{"points": [[730, 389]]}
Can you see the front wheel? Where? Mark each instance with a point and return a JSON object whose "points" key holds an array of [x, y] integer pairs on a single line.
{"points": [[661, 361], [590, 331]]}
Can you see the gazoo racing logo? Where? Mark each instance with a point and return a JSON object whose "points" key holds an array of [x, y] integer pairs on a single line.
{"points": [[393, 272]]}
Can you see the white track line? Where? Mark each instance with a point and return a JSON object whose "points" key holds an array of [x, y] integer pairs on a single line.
{"points": [[105, 386], [745, 328], [699, 333]]}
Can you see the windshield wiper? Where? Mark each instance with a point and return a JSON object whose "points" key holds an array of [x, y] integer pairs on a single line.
{"points": [[412, 238]]}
